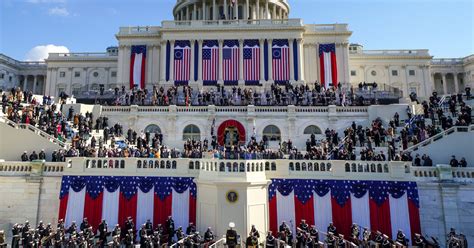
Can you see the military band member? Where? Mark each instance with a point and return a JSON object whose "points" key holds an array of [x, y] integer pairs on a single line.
{"points": [[149, 227], [179, 234], [208, 235], [170, 229], [103, 233], [143, 236], [128, 241], [3, 244], [251, 242], [309, 242], [283, 227], [304, 226], [378, 238], [333, 229], [84, 224], [401, 238], [270, 240], [300, 239], [254, 232], [25, 230], [117, 231], [60, 224], [191, 229], [16, 233], [341, 242], [419, 241], [386, 242], [331, 240], [231, 236]]}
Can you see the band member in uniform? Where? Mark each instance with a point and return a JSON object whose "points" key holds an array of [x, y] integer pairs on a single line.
{"points": [[143, 237], [209, 236], [331, 240], [378, 238], [16, 231], [333, 229], [60, 224], [128, 241], [304, 226], [300, 239], [3, 244], [72, 229], [314, 234], [283, 227], [365, 237], [285, 234], [401, 238], [341, 242], [117, 231], [170, 229], [149, 227], [129, 225], [179, 234], [231, 236], [84, 224], [270, 240], [103, 233], [251, 242], [419, 241], [191, 229], [254, 232], [309, 242]]}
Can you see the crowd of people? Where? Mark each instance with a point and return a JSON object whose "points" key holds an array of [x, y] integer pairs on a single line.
{"points": [[168, 234]]}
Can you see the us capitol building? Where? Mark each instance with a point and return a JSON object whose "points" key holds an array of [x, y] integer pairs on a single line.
{"points": [[251, 44]]}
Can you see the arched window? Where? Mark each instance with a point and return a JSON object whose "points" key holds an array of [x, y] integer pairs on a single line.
{"points": [[272, 132], [153, 129], [191, 132], [312, 130]]}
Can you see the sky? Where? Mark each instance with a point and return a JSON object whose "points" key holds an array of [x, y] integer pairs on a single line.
{"points": [[29, 29]]}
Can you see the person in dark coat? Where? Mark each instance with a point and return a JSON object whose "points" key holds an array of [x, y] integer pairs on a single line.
{"points": [[231, 236]]}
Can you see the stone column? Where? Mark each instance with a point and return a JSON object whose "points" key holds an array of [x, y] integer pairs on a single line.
{"points": [[445, 84], [266, 10], [292, 62], [241, 62], [203, 12], [247, 10], [220, 76], [300, 58], [195, 11], [35, 81], [172, 62], [120, 65], [126, 65], [214, 11], [236, 9], [163, 62], [47, 82], [270, 58], [257, 7], [191, 72], [262, 61], [274, 14], [280, 15], [200, 62], [456, 84], [226, 11], [25, 83]]}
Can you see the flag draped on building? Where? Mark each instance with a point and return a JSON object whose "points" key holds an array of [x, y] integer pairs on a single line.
{"points": [[182, 61], [230, 62], [116, 198], [377, 205], [251, 62], [281, 61], [137, 66], [210, 62], [328, 63]]}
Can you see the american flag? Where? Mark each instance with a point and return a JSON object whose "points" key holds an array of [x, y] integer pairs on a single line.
{"points": [[230, 57], [251, 61], [210, 61], [182, 61], [280, 61]]}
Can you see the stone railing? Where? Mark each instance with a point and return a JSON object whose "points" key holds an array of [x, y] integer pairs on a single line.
{"points": [[327, 27], [139, 30], [207, 24], [34, 168], [15, 62], [78, 55], [450, 61], [442, 173], [35, 130], [439, 136], [416, 52]]}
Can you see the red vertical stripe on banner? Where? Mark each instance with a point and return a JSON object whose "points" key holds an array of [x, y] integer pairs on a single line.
{"points": [[304, 211], [63, 207], [380, 217], [272, 214], [414, 213], [192, 209], [342, 216], [162, 209], [142, 82], [334, 68], [127, 208], [132, 62], [321, 69], [93, 210]]}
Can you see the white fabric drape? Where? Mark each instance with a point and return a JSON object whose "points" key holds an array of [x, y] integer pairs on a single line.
{"points": [[286, 209], [180, 209], [144, 207], [110, 208], [400, 216], [327, 69], [361, 211], [137, 68], [75, 207], [322, 213]]}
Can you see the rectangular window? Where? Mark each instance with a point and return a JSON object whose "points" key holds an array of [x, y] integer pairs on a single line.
{"points": [[113, 74], [10, 78], [62, 74], [394, 73], [353, 73], [76, 90], [77, 74], [2, 76], [411, 72]]}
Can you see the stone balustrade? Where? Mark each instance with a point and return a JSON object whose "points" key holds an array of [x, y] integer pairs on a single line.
{"points": [[232, 169]]}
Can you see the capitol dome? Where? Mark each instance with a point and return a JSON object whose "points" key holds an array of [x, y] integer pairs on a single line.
{"points": [[186, 10]]}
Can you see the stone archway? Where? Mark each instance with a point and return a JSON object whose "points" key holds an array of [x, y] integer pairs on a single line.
{"points": [[231, 125]]}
